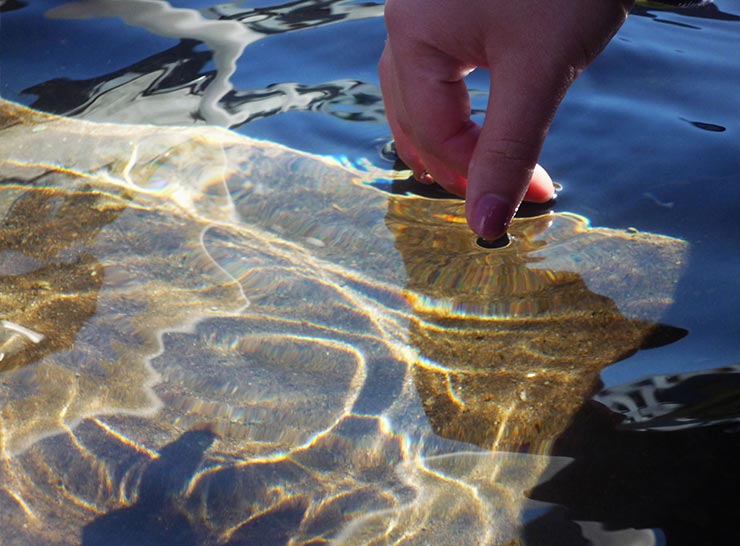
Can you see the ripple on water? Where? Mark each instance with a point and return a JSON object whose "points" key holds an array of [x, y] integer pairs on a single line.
{"points": [[216, 329]]}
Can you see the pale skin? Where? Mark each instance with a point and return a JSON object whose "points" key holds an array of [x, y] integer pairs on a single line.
{"points": [[534, 50]]}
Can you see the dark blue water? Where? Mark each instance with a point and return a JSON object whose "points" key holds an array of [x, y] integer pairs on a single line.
{"points": [[631, 147], [648, 137]]}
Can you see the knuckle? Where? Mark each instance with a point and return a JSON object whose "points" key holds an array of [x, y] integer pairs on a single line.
{"points": [[449, 139], [393, 14]]}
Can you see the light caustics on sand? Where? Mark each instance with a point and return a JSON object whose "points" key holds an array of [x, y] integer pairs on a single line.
{"points": [[314, 344]]}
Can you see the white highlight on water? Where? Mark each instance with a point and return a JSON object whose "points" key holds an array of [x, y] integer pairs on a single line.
{"points": [[226, 38], [35, 337]]}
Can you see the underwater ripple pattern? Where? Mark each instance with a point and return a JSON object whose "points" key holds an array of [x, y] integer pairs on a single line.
{"points": [[271, 353]]}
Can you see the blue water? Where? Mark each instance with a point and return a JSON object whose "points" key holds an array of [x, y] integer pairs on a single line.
{"points": [[624, 147], [648, 137]]}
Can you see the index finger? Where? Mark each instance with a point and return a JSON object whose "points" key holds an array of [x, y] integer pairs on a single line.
{"points": [[521, 105]]}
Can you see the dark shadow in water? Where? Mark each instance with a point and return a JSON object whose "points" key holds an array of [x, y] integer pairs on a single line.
{"points": [[271, 502], [411, 186], [156, 519], [704, 126], [682, 482], [275, 528], [10, 5]]}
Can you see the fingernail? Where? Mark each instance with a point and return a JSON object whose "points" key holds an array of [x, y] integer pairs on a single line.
{"points": [[424, 177], [491, 216]]}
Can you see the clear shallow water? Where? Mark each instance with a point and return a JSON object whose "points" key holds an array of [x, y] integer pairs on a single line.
{"points": [[638, 142]]}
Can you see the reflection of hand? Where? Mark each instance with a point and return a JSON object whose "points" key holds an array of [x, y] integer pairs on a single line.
{"points": [[534, 49]]}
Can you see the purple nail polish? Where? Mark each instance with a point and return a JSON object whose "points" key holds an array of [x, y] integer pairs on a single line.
{"points": [[491, 216]]}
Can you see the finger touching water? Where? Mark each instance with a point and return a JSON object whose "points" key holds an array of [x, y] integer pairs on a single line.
{"points": [[534, 49]]}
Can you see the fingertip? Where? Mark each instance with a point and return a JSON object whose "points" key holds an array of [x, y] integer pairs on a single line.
{"points": [[541, 188], [489, 215], [424, 177]]}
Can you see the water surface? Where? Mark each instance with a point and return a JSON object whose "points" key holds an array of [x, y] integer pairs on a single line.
{"points": [[313, 351]]}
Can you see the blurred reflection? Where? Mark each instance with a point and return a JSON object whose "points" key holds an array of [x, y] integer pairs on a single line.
{"points": [[512, 340], [674, 402], [174, 87]]}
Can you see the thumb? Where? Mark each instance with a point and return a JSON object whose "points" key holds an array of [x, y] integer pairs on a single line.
{"points": [[520, 109]]}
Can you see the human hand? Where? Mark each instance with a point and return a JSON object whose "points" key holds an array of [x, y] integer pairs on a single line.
{"points": [[534, 49]]}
